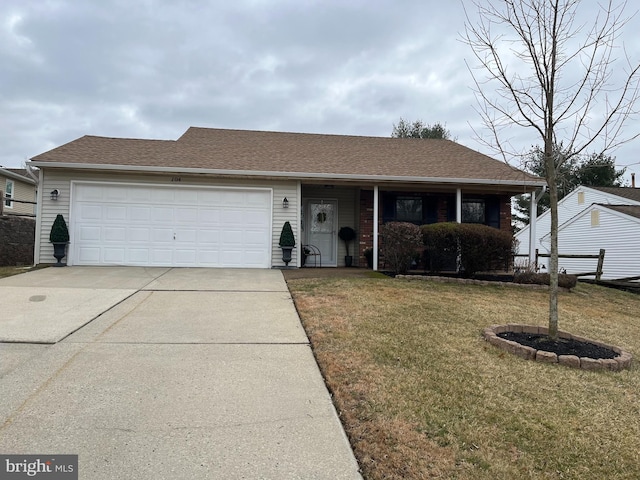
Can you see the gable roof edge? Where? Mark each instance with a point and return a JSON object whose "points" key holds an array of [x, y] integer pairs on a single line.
{"points": [[293, 175]]}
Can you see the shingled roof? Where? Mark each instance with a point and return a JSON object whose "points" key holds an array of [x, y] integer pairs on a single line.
{"points": [[631, 210], [296, 154], [624, 192]]}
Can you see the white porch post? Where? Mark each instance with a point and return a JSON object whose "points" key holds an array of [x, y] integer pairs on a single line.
{"points": [[375, 227], [459, 205], [533, 217], [299, 206]]}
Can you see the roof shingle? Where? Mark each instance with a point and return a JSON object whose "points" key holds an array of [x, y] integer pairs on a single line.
{"points": [[297, 153]]}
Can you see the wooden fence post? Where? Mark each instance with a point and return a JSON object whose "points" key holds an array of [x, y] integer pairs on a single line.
{"points": [[600, 265]]}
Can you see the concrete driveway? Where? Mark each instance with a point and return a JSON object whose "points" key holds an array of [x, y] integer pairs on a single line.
{"points": [[165, 373]]}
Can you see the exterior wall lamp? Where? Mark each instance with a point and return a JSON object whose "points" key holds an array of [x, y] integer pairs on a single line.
{"points": [[54, 194], [285, 203]]}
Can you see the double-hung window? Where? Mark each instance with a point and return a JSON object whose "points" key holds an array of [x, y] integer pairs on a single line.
{"points": [[8, 193]]}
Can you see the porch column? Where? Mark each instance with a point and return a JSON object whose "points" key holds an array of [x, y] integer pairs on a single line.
{"points": [[533, 217], [459, 205], [375, 227], [299, 206]]}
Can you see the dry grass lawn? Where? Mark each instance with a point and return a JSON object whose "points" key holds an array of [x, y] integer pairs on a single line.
{"points": [[9, 271], [422, 395]]}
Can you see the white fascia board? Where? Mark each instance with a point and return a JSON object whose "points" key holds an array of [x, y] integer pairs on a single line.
{"points": [[291, 175], [15, 176]]}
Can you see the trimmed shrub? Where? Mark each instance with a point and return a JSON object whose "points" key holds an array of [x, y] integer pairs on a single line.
{"points": [[400, 242], [564, 280], [478, 247], [286, 236], [440, 242], [59, 231]]}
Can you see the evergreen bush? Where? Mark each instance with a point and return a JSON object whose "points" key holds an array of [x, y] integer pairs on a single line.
{"points": [[59, 231], [400, 242], [287, 238]]}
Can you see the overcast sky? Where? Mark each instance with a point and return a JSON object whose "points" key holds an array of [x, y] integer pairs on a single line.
{"points": [[151, 69]]}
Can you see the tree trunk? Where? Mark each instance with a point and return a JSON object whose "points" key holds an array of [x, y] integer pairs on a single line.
{"points": [[553, 260]]}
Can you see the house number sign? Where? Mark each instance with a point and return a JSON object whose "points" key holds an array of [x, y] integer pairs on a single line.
{"points": [[176, 179]]}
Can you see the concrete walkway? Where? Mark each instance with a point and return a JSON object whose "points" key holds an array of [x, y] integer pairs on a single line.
{"points": [[165, 373]]}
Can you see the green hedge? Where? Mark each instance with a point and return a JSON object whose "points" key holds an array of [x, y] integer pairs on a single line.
{"points": [[400, 243], [479, 247]]}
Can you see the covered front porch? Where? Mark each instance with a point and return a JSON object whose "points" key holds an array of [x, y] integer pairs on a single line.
{"points": [[326, 208]]}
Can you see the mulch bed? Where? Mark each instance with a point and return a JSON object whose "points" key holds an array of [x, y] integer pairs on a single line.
{"points": [[562, 346]]}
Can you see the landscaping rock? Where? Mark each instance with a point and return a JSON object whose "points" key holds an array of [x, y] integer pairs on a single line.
{"points": [[569, 360], [546, 357]]}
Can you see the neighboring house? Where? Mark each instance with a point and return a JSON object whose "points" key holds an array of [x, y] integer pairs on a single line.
{"points": [[219, 198], [16, 184], [591, 218]]}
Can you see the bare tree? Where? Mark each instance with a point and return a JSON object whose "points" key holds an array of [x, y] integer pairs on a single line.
{"points": [[545, 70]]}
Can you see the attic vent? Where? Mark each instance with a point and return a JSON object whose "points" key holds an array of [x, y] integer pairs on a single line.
{"points": [[595, 218], [580, 198]]}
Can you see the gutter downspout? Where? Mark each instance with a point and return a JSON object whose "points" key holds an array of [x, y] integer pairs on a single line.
{"points": [[39, 200], [533, 217], [375, 227]]}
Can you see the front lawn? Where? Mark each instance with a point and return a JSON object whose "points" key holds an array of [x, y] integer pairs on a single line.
{"points": [[422, 395]]}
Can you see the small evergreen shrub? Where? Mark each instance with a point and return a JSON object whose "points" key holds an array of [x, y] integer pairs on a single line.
{"points": [[59, 231], [400, 242], [287, 238]]}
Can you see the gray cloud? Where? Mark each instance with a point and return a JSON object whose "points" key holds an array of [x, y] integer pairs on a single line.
{"points": [[151, 69]]}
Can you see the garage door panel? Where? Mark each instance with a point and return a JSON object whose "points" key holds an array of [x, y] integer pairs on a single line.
{"points": [[90, 212], [139, 214], [170, 226], [115, 213], [115, 234], [114, 255], [161, 235], [89, 255], [186, 215], [209, 216], [89, 233], [186, 236], [139, 234], [138, 256]]}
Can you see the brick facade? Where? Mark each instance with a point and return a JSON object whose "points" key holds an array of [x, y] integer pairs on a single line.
{"points": [[365, 229]]}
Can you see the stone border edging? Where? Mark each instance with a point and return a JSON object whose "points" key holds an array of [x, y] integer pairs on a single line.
{"points": [[620, 362], [471, 281]]}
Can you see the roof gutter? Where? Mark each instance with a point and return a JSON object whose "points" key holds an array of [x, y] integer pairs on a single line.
{"points": [[16, 176], [291, 175]]}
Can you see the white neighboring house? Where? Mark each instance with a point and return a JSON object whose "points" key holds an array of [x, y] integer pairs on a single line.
{"points": [[591, 218]]}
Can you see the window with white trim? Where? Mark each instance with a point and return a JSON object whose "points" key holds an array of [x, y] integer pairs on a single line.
{"points": [[8, 193]]}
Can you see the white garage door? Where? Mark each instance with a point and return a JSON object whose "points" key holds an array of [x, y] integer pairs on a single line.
{"points": [[115, 224]]}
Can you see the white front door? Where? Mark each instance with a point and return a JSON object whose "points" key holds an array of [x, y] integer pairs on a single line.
{"points": [[322, 224]]}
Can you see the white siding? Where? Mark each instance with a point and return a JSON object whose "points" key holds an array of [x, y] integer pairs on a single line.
{"points": [[61, 179], [617, 233], [21, 191], [568, 208]]}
